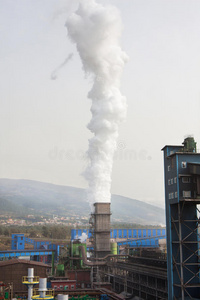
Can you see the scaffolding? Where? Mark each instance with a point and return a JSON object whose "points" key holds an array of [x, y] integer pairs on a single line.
{"points": [[185, 249]]}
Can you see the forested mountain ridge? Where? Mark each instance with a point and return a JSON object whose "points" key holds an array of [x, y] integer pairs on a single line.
{"points": [[28, 196]]}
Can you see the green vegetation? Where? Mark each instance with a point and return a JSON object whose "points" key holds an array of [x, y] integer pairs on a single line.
{"points": [[122, 225], [51, 233], [59, 232]]}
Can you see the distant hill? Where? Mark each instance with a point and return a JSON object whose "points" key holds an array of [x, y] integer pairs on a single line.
{"points": [[27, 196]]}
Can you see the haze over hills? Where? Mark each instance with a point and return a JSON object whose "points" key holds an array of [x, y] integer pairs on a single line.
{"points": [[28, 196]]}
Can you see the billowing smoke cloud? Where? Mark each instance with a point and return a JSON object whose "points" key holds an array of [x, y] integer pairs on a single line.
{"points": [[55, 72], [83, 237], [96, 31]]}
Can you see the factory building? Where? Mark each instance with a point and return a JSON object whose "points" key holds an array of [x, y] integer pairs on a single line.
{"points": [[12, 271], [182, 196], [63, 284]]}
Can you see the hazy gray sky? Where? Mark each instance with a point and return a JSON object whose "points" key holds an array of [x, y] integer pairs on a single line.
{"points": [[43, 121]]}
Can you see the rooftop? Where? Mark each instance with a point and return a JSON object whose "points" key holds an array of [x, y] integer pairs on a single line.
{"points": [[22, 261]]}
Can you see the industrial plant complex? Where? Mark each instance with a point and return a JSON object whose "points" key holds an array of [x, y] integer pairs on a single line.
{"points": [[105, 263], [73, 224]]}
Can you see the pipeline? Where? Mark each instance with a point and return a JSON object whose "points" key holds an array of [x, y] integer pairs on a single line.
{"points": [[90, 263], [97, 261]]}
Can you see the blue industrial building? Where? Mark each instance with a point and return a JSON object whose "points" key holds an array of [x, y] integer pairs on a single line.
{"points": [[18, 242], [151, 242], [182, 196], [34, 255], [122, 233], [42, 250], [132, 237]]}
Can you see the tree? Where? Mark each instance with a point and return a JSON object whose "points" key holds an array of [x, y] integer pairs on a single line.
{"points": [[45, 231], [7, 232], [1, 230], [58, 232], [33, 233]]}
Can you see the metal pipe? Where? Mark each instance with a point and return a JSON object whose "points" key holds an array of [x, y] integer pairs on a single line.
{"points": [[89, 263], [30, 274], [42, 287], [62, 297], [97, 261], [30, 279]]}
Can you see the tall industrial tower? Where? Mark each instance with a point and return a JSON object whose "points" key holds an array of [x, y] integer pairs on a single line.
{"points": [[101, 223], [182, 196]]}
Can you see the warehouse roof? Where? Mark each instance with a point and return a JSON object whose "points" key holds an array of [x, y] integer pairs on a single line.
{"points": [[22, 261]]}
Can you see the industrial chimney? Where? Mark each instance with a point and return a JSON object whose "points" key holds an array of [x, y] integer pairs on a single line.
{"points": [[101, 219]]}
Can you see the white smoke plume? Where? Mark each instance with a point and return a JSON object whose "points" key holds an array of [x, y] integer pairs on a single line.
{"points": [[96, 31], [55, 72], [83, 237]]}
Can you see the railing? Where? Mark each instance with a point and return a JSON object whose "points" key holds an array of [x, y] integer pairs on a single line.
{"points": [[34, 279], [48, 293]]}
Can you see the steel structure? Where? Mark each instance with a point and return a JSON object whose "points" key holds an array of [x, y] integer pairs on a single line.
{"points": [[142, 242], [8, 254], [182, 196], [138, 276], [30, 281], [19, 242]]}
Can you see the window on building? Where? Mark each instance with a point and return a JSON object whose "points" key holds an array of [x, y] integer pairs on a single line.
{"points": [[168, 168], [186, 194], [172, 195], [169, 181], [186, 179], [55, 287], [72, 286], [175, 179], [172, 162], [183, 164], [48, 271], [61, 287], [172, 181], [169, 196], [66, 287], [176, 195]]}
